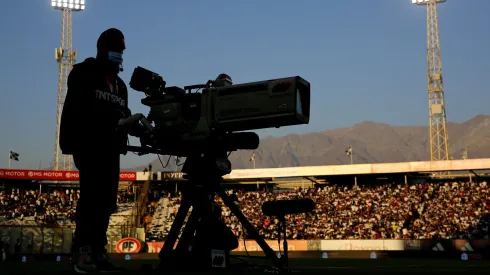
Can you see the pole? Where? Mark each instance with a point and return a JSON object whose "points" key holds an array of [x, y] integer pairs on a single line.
{"points": [[352, 162], [253, 161], [66, 57], [438, 135], [9, 159]]}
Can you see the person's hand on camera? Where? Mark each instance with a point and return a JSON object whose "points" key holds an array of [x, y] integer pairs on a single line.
{"points": [[137, 130], [126, 122], [146, 139], [133, 125], [126, 113]]}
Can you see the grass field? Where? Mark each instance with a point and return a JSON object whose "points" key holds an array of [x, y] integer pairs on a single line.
{"points": [[315, 266]]}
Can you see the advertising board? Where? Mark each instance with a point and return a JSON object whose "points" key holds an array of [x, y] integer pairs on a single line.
{"points": [[476, 246], [365, 245], [128, 246], [248, 246]]}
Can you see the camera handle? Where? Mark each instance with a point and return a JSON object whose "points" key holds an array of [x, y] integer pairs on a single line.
{"points": [[129, 122]]}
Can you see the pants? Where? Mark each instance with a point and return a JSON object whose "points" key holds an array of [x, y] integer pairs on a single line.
{"points": [[99, 179]]}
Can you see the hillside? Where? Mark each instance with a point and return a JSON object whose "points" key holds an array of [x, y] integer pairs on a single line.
{"points": [[372, 143]]}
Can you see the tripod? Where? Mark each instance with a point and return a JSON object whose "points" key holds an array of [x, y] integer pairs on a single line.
{"points": [[195, 244]]}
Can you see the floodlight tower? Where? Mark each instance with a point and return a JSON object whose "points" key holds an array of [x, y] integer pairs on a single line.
{"points": [[65, 56], [439, 148]]}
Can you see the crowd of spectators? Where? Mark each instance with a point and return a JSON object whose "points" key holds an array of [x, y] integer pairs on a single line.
{"points": [[126, 196], [56, 206], [392, 211]]}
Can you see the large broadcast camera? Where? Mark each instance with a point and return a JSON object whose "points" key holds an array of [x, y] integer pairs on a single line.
{"points": [[185, 122], [204, 127]]}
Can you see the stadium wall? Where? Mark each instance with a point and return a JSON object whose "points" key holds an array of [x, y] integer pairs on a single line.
{"points": [[39, 240], [360, 245]]}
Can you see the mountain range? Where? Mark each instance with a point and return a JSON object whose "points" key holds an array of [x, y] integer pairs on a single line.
{"points": [[371, 142]]}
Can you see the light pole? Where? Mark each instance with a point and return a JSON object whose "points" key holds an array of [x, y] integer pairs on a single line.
{"points": [[65, 57], [439, 148]]}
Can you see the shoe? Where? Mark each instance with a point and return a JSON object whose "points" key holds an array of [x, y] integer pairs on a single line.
{"points": [[83, 262], [103, 263]]}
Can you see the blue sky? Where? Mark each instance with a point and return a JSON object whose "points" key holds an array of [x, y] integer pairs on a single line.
{"points": [[364, 59]]}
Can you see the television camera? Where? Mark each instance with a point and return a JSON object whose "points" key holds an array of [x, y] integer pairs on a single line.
{"points": [[186, 121], [204, 127]]}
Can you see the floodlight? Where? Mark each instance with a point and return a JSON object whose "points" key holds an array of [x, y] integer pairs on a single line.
{"points": [[425, 2], [74, 5]]}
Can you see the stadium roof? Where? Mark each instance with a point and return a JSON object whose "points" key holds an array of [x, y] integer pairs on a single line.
{"points": [[266, 173]]}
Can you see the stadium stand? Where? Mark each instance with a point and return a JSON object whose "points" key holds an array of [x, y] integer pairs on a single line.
{"points": [[447, 210], [32, 215], [32, 207]]}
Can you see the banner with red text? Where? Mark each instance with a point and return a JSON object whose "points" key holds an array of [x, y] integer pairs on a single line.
{"points": [[18, 174]]}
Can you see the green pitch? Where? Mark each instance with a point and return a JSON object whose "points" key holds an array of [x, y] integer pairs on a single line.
{"points": [[312, 266]]}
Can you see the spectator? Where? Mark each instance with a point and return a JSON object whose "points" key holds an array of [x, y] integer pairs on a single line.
{"points": [[53, 207]]}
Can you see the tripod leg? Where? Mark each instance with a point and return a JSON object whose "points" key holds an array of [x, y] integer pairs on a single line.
{"points": [[198, 206], [187, 236], [168, 246], [248, 226], [284, 233]]}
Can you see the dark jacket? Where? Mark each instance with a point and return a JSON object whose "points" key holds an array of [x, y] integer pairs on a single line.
{"points": [[92, 110]]}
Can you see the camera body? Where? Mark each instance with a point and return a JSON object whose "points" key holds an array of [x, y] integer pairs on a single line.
{"points": [[186, 121]]}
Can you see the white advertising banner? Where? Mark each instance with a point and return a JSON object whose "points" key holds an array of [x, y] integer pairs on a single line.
{"points": [[366, 245]]}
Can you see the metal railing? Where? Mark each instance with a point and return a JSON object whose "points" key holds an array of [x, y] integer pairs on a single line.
{"points": [[54, 239], [139, 209], [39, 239]]}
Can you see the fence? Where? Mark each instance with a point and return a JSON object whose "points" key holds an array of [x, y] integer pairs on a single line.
{"points": [[139, 209], [58, 239], [48, 240]]}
